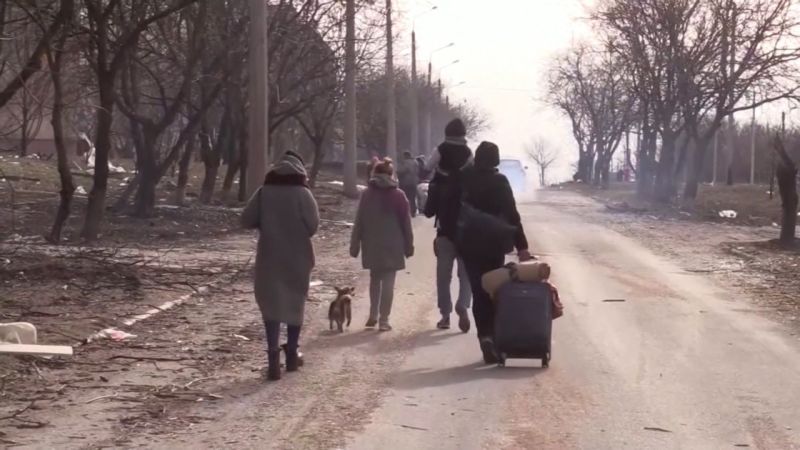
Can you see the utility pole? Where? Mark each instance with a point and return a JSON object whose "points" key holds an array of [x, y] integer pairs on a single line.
{"points": [[753, 144], [350, 149], [716, 158], [258, 129], [391, 101], [428, 105], [414, 97]]}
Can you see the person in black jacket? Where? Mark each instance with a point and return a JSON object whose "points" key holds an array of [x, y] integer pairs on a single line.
{"points": [[487, 190], [451, 158]]}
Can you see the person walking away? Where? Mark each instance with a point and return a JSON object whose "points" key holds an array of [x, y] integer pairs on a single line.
{"points": [[487, 190], [285, 213], [408, 176], [444, 197], [382, 234]]}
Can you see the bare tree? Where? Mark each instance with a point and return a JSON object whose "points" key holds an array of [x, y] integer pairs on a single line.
{"points": [[739, 47], [786, 174], [594, 89], [544, 155], [113, 31]]}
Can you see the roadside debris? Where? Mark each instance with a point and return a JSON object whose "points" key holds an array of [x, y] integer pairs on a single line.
{"points": [[728, 214], [614, 300], [658, 429], [113, 334]]}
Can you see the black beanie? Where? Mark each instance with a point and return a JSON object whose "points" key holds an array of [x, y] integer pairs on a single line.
{"points": [[487, 156], [455, 129]]}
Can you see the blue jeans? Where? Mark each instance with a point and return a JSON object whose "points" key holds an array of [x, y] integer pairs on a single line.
{"points": [[446, 258]]}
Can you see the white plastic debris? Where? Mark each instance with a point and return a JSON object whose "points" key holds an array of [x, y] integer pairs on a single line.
{"points": [[80, 190], [728, 214], [114, 335]]}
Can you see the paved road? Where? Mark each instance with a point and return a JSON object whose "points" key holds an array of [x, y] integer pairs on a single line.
{"points": [[679, 364]]}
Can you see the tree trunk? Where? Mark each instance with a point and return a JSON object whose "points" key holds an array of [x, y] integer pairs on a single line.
{"points": [[316, 165], [183, 172], [243, 163], [230, 175], [64, 171], [211, 160], [97, 196], [665, 178], [145, 200], [695, 169], [787, 187]]}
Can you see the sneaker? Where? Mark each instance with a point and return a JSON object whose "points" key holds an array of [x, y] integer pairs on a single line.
{"points": [[371, 323], [385, 327], [489, 353], [463, 320], [444, 324]]}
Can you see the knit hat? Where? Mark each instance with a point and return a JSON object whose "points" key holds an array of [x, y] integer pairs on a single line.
{"points": [[455, 132], [295, 155], [487, 156]]}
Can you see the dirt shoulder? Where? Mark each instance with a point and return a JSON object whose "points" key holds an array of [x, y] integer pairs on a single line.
{"points": [[733, 254], [201, 342]]}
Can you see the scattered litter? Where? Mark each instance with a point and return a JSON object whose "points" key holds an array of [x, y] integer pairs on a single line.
{"points": [[728, 214], [411, 427], [315, 283], [240, 337], [80, 190], [614, 300], [741, 445], [114, 335], [660, 430]]}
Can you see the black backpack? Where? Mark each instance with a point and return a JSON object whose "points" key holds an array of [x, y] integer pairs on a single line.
{"points": [[444, 202]]}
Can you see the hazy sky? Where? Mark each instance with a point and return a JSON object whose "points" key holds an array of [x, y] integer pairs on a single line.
{"points": [[504, 48]]}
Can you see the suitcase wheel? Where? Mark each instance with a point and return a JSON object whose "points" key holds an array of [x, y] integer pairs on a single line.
{"points": [[501, 359], [546, 361]]}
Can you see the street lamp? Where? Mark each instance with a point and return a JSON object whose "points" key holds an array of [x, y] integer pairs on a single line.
{"points": [[430, 59]]}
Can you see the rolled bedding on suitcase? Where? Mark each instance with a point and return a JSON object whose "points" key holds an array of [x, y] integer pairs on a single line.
{"points": [[530, 271]]}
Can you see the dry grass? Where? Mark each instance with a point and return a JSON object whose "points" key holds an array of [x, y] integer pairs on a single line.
{"points": [[751, 203]]}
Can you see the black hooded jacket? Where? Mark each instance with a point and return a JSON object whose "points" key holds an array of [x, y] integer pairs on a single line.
{"points": [[488, 190]]}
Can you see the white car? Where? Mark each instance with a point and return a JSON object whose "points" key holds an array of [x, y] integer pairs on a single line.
{"points": [[516, 173]]}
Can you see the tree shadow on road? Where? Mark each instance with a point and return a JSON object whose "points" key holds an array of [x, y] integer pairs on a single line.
{"points": [[422, 378]]}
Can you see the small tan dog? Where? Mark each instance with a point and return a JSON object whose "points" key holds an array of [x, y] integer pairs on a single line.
{"points": [[341, 309], [18, 333]]}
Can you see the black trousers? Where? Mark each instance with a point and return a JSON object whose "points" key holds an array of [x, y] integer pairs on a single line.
{"points": [[411, 195], [482, 306]]}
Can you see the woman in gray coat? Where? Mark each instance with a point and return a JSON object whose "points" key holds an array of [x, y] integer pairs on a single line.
{"points": [[285, 214], [383, 235]]}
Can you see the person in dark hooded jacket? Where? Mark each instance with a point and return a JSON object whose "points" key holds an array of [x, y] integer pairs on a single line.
{"points": [[487, 190], [451, 158]]}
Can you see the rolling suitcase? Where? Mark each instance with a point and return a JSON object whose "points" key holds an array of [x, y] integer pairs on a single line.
{"points": [[524, 321]]}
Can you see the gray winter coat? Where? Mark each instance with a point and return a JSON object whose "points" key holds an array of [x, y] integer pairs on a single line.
{"points": [[287, 217], [408, 173], [382, 231]]}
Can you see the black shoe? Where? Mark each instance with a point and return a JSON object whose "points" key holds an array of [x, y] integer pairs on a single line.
{"points": [[444, 324], [274, 365], [294, 359], [463, 320], [489, 352]]}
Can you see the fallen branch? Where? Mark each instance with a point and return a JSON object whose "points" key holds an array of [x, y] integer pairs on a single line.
{"points": [[16, 414], [151, 358]]}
